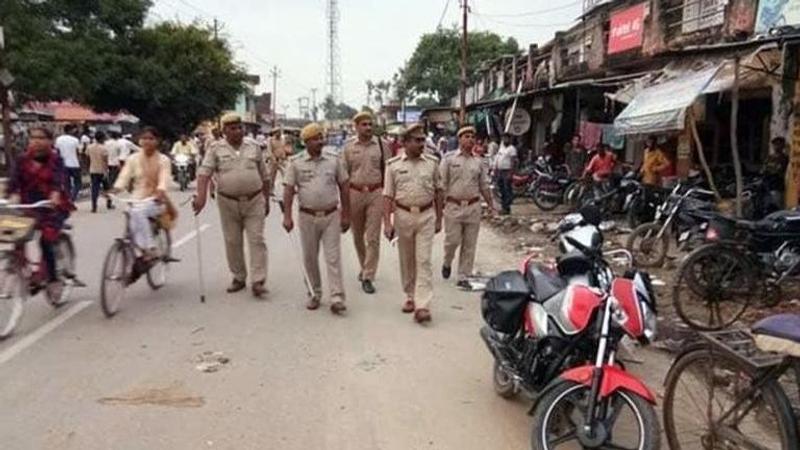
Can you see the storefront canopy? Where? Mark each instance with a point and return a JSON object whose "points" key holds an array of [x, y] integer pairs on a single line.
{"points": [[662, 105]]}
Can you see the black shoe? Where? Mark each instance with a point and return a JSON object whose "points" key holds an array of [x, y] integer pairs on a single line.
{"points": [[446, 272], [464, 284], [367, 286]]}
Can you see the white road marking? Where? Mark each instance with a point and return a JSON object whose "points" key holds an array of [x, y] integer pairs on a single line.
{"points": [[42, 331], [22, 344], [189, 237]]}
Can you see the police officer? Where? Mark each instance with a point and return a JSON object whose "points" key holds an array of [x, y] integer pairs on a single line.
{"points": [[243, 188], [364, 159], [320, 181], [412, 197], [465, 178]]}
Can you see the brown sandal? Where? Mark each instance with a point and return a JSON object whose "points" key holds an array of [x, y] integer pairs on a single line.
{"points": [[408, 306], [312, 304], [422, 316], [338, 308]]}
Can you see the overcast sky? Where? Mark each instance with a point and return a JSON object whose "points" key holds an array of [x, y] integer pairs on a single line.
{"points": [[375, 36]]}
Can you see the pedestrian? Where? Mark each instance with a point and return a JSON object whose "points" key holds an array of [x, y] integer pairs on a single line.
{"points": [[98, 169], [465, 179], [412, 210], [575, 156], [602, 165], [68, 146], [243, 188], [114, 147], [364, 159], [654, 164], [321, 183], [505, 163]]}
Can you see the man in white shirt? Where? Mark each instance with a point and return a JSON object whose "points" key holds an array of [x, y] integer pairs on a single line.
{"points": [[126, 149], [114, 147], [504, 164], [68, 147]]}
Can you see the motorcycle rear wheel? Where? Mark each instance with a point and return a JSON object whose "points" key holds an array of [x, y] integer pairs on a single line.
{"points": [[647, 250], [558, 419], [544, 197]]}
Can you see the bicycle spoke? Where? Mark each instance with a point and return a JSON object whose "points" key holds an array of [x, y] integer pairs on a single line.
{"points": [[570, 436]]}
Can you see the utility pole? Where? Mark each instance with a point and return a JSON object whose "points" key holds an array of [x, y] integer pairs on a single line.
{"points": [[314, 103], [275, 73], [462, 113]]}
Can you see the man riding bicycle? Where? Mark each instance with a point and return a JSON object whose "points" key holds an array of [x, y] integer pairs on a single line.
{"points": [[146, 175], [40, 175]]}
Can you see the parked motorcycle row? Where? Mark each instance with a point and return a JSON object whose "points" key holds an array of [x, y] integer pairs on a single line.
{"points": [[555, 331]]}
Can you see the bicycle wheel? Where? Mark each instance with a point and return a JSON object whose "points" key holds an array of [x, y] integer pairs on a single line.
{"points": [[714, 287], [703, 386], [13, 294], [157, 274], [116, 271], [65, 270]]}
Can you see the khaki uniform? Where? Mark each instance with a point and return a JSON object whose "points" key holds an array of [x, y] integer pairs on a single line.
{"points": [[463, 179], [239, 176], [412, 184], [363, 164], [316, 182]]}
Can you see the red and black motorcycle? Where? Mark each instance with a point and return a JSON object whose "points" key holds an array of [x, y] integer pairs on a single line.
{"points": [[554, 334]]}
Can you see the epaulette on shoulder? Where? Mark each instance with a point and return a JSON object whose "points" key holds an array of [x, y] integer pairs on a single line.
{"points": [[393, 159], [331, 152], [430, 158]]}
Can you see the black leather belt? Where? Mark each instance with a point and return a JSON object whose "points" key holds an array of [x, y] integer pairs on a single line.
{"points": [[319, 212], [415, 209]]}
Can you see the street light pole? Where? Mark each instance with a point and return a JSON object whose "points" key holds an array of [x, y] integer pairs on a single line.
{"points": [[462, 113]]}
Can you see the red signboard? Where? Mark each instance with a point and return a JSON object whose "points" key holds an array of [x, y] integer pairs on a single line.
{"points": [[627, 29]]}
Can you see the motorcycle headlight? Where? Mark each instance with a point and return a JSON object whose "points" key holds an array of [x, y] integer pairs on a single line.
{"points": [[181, 158]]}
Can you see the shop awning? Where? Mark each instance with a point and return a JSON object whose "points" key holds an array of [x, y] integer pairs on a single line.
{"points": [[661, 106]]}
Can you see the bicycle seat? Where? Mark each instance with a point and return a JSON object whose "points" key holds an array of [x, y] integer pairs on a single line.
{"points": [[779, 333]]}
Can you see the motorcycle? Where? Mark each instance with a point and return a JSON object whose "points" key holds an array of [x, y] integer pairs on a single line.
{"points": [[742, 261], [549, 190], [610, 195], [545, 327], [641, 204], [682, 217], [182, 164]]}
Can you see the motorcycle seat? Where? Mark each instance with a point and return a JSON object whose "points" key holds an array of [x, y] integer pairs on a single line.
{"points": [[779, 333], [544, 282]]}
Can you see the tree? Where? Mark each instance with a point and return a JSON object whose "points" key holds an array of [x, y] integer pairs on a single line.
{"points": [[334, 111], [434, 67], [60, 49], [99, 53], [172, 75]]}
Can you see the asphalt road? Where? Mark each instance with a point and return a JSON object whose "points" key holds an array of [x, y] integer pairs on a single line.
{"points": [[72, 379]]}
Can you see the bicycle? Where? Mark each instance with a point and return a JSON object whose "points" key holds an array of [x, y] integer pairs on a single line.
{"points": [[743, 382], [21, 278], [124, 265]]}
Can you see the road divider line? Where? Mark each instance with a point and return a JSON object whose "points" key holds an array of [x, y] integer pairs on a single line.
{"points": [[191, 235], [7, 354], [30, 339]]}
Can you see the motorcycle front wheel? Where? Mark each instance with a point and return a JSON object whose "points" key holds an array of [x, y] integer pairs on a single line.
{"points": [[558, 421], [645, 246], [546, 195]]}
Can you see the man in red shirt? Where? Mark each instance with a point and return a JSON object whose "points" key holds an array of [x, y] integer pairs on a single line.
{"points": [[602, 164]]}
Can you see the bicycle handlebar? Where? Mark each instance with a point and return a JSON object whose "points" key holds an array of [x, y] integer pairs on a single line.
{"points": [[130, 201], [40, 204]]}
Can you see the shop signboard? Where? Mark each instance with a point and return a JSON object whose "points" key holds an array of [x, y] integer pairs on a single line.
{"points": [[520, 122], [702, 14], [777, 13], [627, 29]]}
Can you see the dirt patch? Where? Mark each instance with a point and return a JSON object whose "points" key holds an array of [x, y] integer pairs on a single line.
{"points": [[173, 396]]}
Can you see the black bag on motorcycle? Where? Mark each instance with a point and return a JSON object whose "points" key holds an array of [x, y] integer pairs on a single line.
{"points": [[504, 301]]}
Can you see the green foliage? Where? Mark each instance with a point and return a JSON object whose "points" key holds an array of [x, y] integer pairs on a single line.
{"points": [[334, 111], [435, 67], [172, 75], [98, 52]]}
